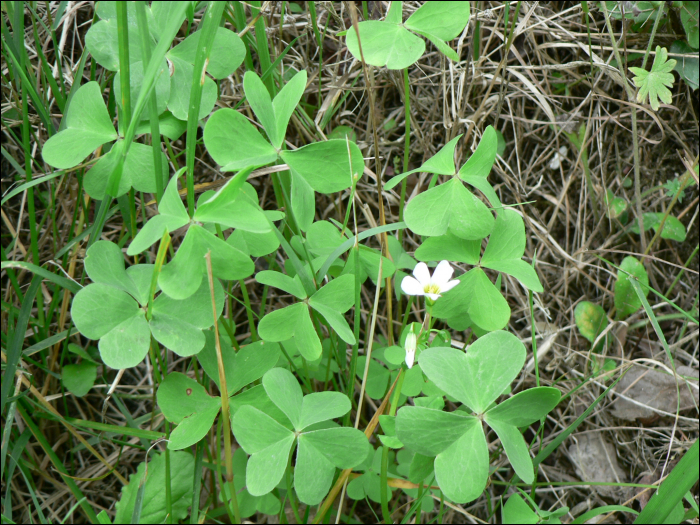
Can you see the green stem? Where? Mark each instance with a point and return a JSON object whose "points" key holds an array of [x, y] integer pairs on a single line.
{"points": [[680, 274], [290, 492], [217, 471], [384, 486], [209, 27], [228, 459], [239, 18], [155, 360], [152, 103], [407, 142], [659, 13], [124, 59], [160, 258], [356, 331], [441, 511], [33, 234], [132, 217], [168, 490], [428, 321], [406, 313], [196, 490], [30, 192], [420, 502], [534, 339], [406, 157], [249, 310]]}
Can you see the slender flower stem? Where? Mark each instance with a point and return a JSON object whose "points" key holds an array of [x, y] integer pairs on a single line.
{"points": [[249, 310], [224, 398], [168, 477], [407, 142], [160, 259], [383, 487], [534, 339], [428, 321], [385, 451]]}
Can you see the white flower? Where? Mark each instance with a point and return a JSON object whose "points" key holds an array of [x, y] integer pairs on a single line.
{"points": [[424, 284], [410, 346]]}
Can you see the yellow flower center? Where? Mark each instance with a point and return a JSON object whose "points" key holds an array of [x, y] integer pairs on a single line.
{"points": [[431, 288]]}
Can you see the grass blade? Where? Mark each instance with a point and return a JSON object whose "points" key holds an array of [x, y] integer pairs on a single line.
{"points": [[671, 491], [15, 349], [38, 271], [58, 464], [210, 24], [583, 518], [340, 250], [551, 447]]}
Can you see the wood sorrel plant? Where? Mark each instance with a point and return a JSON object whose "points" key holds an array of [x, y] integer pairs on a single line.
{"points": [[120, 311], [442, 395]]}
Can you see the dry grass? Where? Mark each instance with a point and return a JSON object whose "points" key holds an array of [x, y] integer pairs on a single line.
{"points": [[544, 87]]}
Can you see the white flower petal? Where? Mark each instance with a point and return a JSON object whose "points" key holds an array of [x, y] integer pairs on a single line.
{"points": [[433, 296], [411, 287], [449, 285], [422, 273], [442, 274], [410, 357]]}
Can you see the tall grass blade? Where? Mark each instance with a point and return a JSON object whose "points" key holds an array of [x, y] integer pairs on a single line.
{"points": [[671, 491]]}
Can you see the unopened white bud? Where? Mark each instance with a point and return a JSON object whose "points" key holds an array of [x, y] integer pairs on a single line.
{"points": [[411, 342]]}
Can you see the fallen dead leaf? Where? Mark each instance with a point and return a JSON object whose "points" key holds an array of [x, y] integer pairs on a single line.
{"points": [[654, 389], [596, 460]]}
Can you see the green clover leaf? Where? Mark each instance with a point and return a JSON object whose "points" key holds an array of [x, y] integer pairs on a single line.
{"points": [[503, 253], [456, 439], [450, 206], [391, 44], [319, 450], [331, 301], [113, 310], [235, 144], [672, 227], [232, 207], [87, 127], [247, 503], [227, 53], [186, 403]]}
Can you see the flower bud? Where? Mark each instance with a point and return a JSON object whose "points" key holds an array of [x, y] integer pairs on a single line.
{"points": [[410, 346]]}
